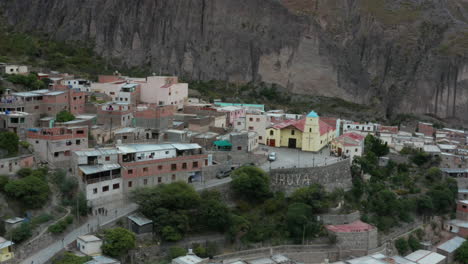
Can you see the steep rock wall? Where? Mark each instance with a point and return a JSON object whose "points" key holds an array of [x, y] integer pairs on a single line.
{"points": [[399, 55]]}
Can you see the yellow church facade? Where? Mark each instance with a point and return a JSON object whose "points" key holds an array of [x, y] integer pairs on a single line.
{"points": [[308, 134]]}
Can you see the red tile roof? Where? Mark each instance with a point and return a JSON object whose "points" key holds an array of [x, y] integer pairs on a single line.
{"points": [[300, 124], [331, 121], [357, 226], [350, 139]]}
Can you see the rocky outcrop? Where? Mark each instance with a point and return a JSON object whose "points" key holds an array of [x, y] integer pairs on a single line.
{"points": [[398, 55]]}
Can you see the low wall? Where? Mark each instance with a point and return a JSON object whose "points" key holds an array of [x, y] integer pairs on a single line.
{"points": [[334, 176], [308, 254], [339, 219]]}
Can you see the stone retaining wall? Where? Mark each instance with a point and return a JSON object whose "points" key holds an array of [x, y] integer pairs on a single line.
{"points": [[337, 175]]}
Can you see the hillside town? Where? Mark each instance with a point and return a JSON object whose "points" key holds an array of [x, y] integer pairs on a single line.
{"points": [[121, 138]]}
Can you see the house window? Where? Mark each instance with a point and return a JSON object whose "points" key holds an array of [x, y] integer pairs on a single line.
{"points": [[347, 151], [115, 186], [251, 127], [238, 123], [258, 119], [130, 184], [173, 166], [78, 142], [293, 132], [36, 107], [130, 171], [145, 182], [112, 93], [260, 137], [355, 150], [167, 152], [49, 109], [464, 206], [159, 179], [107, 158], [56, 154], [239, 148], [37, 142], [105, 188], [80, 132], [95, 190], [195, 164], [145, 169], [124, 137], [271, 132], [184, 165], [173, 177], [160, 167], [310, 130], [251, 119]]}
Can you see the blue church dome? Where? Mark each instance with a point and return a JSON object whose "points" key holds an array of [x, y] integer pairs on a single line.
{"points": [[312, 114]]}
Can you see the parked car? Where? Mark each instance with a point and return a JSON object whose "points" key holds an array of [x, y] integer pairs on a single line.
{"points": [[224, 174], [272, 156]]}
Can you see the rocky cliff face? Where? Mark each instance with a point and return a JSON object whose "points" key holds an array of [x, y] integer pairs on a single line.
{"points": [[399, 55]]}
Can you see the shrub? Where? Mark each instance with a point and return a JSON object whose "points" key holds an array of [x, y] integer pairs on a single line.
{"points": [[402, 246], [61, 225], [21, 233], [175, 252], [64, 116]]}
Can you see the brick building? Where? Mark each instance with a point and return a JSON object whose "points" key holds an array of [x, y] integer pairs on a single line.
{"points": [[107, 175], [154, 117], [115, 114], [462, 210], [426, 128]]}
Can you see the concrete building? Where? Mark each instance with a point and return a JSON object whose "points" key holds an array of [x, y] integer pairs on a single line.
{"points": [[6, 250], [128, 135], [462, 210], [79, 84], [426, 257], [55, 145], [458, 227], [10, 166], [89, 245], [99, 175], [244, 141], [307, 134], [155, 117], [348, 145], [426, 128], [16, 122], [448, 248], [115, 115], [13, 69], [13, 223], [139, 224], [205, 140], [356, 235], [233, 114], [255, 121]]}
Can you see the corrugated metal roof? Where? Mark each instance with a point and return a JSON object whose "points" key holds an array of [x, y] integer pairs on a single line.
{"points": [[91, 169], [179, 146], [125, 130], [5, 243], [432, 258], [452, 244], [140, 219], [97, 152], [133, 148]]}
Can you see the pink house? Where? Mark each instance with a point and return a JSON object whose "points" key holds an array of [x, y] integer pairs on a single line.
{"points": [[233, 113]]}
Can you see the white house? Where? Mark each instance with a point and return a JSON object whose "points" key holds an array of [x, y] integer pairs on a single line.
{"points": [[89, 245], [190, 258], [13, 69]]}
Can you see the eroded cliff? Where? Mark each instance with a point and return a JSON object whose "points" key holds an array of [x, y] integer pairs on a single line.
{"points": [[399, 55]]}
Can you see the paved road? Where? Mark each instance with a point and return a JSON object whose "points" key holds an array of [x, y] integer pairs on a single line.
{"points": [[290, 158], [93, 223]]}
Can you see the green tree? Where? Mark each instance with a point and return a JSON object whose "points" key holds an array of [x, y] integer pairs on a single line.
{"points": [[424, 205], [213, 212], [31, 191], [170, 206], [175, 252], [376, 146], [3, 181], [64, 116], [9, 142], [402, 246], [420, 158], [461, 254], [69, 258], [314, 195], [414, 243], [118, 241], [251, 184], [23, 172], [21, 233], [300, 222]]}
